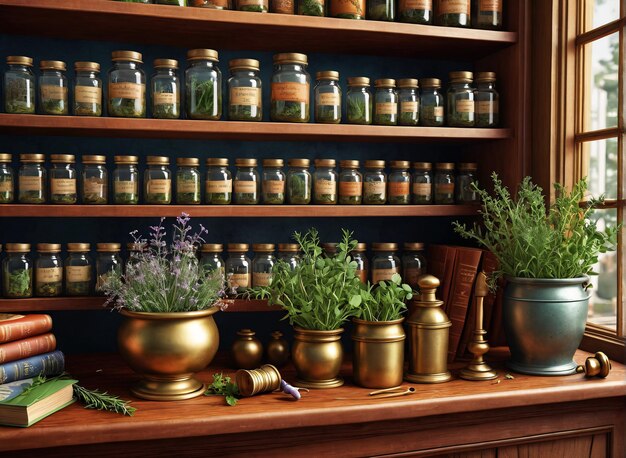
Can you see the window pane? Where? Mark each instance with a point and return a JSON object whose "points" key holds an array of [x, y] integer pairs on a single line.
{"points": [[603, 11], [600, 159]]}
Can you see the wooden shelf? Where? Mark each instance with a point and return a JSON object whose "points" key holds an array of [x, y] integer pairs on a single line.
{"points": [[236, 130], [197, 27]]}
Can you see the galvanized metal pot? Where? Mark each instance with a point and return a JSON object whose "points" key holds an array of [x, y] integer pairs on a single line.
{"points": [[166, 349], [544, 321], [317, 357], [378, 358]]}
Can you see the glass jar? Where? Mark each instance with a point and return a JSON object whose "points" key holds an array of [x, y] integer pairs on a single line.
{"points": [[7, 179], [245, 97], [466, 177], [350, 183], [399, 183], [108, 260], [17, 271], [126, 180], [187, 181], [78, 270], [238, 268], [262, 264], [157, 181], [359, 101], [32, 179], [409, 102], [386, 102], [413, 263], [273, 182], [359, 256], [289, 253], [95, 180], [212, 4], [247, 182], [219, 183], [282, 6], [444, 183], [460, 96], [127, 86], [487, 14], [375, 183], [312, 7], [87, 89], [165, 89], [211, 259], [290, 88], [19, 86], [329, 249], [299, 182], [325, 181], [422, 183], [203, 81], [327, 98], [385, 261], [415, 11], [134, 251], [432, 103], [48, 270], [53, 97], [487, 100], [253, 6], [63, 186], [347, 9], [453, 13], [381, 10]]}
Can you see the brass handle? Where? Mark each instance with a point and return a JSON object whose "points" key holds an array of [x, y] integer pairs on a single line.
{"points": [[598, 365]]}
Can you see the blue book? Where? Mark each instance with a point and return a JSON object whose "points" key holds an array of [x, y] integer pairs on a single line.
{"points": [[52, 363]]}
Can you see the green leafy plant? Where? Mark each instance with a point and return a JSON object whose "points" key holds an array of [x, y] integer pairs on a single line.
{"points": [[222, 386], [385, 300]]}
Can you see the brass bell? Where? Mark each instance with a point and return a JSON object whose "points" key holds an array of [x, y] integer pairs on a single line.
{"points": [[598, 365]]}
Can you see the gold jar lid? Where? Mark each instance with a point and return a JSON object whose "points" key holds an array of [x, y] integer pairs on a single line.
{"points": [[430, 82], [473, 166], [78, 247], [157, 160], [408, 82], [423, 165], [360, 247], [136, 246], [485, 77], [374, 164], [399, 164], [290, 58], [188, 161], [52, 65], [20, 60], [358, 81], [329, 247], [238, 247], [385, 82], [299, 162], [87, 67], [245, 162], [132, 56], [349, 164], [60, 158], [413, 246], [273, 163], [384, 246], [126, 159], [5, 157], [289, 247], [27, 157], [327, 75], [217, 161], [212, 248], [461, 77], [325, 163], [263, 247], [203, 54], [444, 166], [165, 63], [244, 64], [106, 247], [17, 247], [94, 159], [49, 247]]}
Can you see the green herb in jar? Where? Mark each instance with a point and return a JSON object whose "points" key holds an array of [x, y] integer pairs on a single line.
{"points": [[290, 88], [359, 101], [94, 197], [126, 198], [298, 191], [87, 109], [357, 113], [49, 289], [347, 9], [453, 13], [220, 198], [246, 198], [311, 7], [87, 89], [54, 107], [19, 283], [420, 12], [78, 288], [187, 181], [6, 189], [255, 7], [204, 96], [31, 197], [127, 108], [66, 199], [381, 10], [19, 96], [326, 114], [290, 112]]}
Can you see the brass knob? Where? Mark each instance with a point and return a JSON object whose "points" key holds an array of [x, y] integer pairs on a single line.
{"points": [[598, 365], [428, 285]]}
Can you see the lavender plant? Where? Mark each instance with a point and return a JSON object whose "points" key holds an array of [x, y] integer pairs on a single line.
{"points": [[166, 279]]}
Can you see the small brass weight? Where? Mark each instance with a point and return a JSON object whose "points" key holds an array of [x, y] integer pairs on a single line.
{"points": [[597, 365], [478, 369]]}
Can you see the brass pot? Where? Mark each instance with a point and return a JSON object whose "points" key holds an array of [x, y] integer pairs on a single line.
{"points": [[247, 350], [378, 354], [166, 349], [317, 357]]}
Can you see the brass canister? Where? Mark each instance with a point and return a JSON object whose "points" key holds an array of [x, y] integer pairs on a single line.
{"points": [[428, 330], [251, 382], [247, 350], [378, 354], [277, 349], [317, 357]]}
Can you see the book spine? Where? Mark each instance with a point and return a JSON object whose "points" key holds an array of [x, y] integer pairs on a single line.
{"points": [[47, 364], [28, 326], [441, 265], [31, 346]]}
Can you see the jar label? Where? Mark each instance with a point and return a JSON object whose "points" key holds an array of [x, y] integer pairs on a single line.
{"points": [[245, 187], [354, 7], [95, 186], [290, 92], [6, 186], [75, 274], [464, 106], [374, 187], [48, 274], [416, 5], [409, 107], [330, 99], [166, 98], [219, 187], [411, 275], [444, 188], [422, 189], [273, 187], [486, 107], [454, 7], [432, 112], [249, 96], [30, 183], [350, 188], [383, 274], [159, 186], [63, 186], [127, 91], [283, 6], [386, 108], [187, 186], [325, 187], [238, 280], [490, 5], [261, 279], [362, 274], [125, 187], [251, 2], [50, 92], [88, 94], [402, 188]]}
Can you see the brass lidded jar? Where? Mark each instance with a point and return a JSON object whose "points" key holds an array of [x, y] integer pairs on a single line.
{"points": [[126, 180], [253, 6], [17, 271], [385, 102], [87, 89], [238, 266], [78, 270], [325, 182], [327, 94], [32, 180], [289, 253], [359, 255], [126, 96], [63, 179], [157, 181], [19, 86], [487, 14], [413, 263], [219, 183], [422, 183], [262, 264], [299, 182], [277, 349], [453, 13], [408, 95], [247, 182], [274, 180], [245, 97], [399, 183], [53, 88], [432, 103], [187, 181], [444, 183], [385, 262], [48, 270], [375, 183], [211, 258], [460, 98], [203, 84], [290, 91], [415, 11], [165, 89], [108, 259], [342, 9], [359, 101], [212, 4], [247, 350], [350, 183], [487, 100], [464, 192], [95, 180], [7, 179]]}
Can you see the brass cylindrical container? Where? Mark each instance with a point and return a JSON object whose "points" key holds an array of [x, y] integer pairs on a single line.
{"points": [[317, 357], [429, 328], [251, 382], [277, 349], [247, 350], [378, 354]]}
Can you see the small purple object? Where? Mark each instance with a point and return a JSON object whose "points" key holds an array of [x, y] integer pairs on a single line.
{"points": [[288, 389]]}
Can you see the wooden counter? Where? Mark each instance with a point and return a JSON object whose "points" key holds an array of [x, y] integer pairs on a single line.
{"points": [[526, 416]]}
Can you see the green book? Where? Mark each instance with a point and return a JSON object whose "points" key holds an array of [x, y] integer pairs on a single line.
{"points": [[37, 403]]}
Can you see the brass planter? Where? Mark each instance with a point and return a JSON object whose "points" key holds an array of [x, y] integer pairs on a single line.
{"points": [[378, 358], [317, 356], [166, 349]]}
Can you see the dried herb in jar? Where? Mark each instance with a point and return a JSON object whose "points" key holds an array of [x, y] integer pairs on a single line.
{"points": [[374, 183], [19, 86], [299, 182], [290, 88], [381, 10], [246, 182], [386, 102], [327, 96], [7, 184], [187, 181], [204, 85], [165, 87], [48, 270], [399, 183], [415, 11], [253, 6], [245, 101], [453, 13], [127, 86], [53, 97], [461, 110], [311, 8], [87, 89], [63, 189], [219, 183], [273, 182], [347, 9]]}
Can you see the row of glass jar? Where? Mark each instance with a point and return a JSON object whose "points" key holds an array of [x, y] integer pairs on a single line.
{"points": [[482, 14], [273, 186]]}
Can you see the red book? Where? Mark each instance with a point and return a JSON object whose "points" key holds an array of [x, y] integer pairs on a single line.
{"points": [[31, 346], [441, 265], [16, 327]]}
